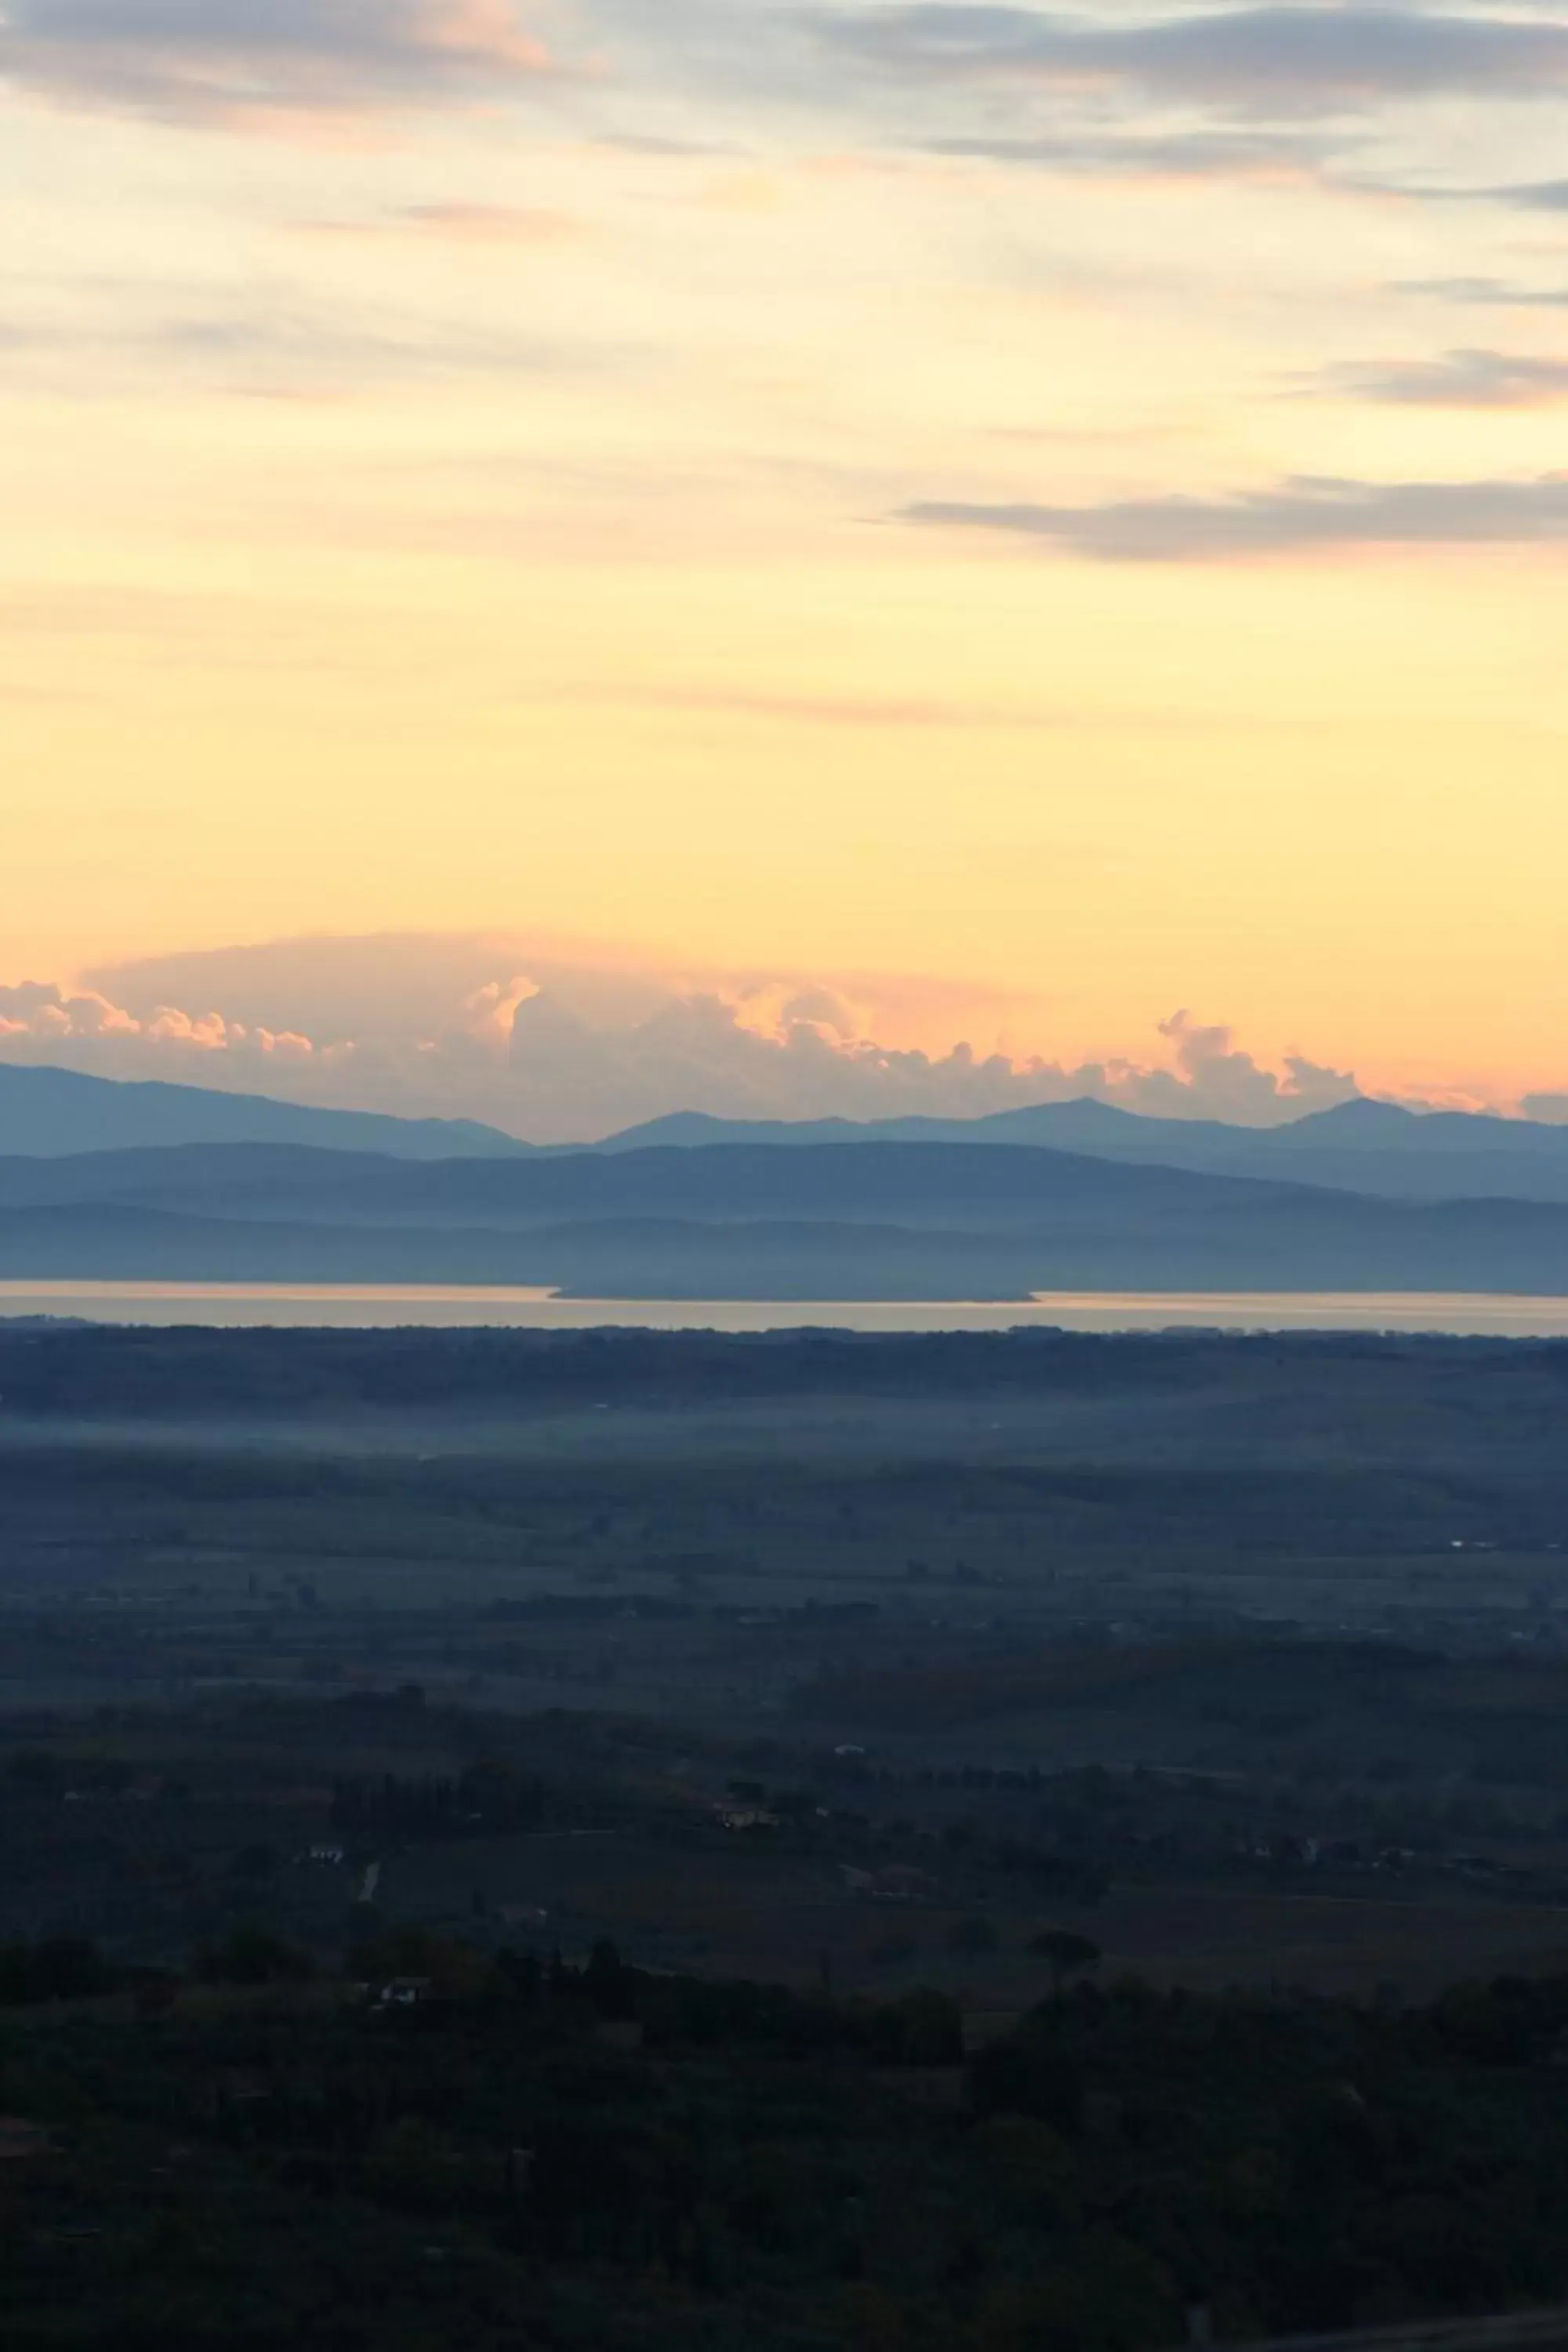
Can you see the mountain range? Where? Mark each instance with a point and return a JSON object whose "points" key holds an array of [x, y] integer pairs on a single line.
{"points": [[1361, 1146], [49, 1114], [191, 1185]]}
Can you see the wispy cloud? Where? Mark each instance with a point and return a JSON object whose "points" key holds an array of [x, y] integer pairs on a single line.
{"points": [[1459, 379], [1485, 293], [1277, 60], [261, 64], [1517, 196], [301, 350], [1301, 514], [1137, 152], [1531, 196], [913, 712], [460, 223]]}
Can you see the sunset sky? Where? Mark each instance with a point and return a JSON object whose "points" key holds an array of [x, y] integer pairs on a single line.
{"points": [[697, 551]]}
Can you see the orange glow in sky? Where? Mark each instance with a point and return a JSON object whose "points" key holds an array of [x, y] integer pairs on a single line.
{"points": [[850, 527]]}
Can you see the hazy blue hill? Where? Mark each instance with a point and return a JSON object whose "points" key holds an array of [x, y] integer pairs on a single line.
{"points": [[1085, 1125], [1366, 1126], [922, 1221], [180, 1175], [75, 1140], [1359, 1147], [50, 1113], [1370, 1147], [967, 1187], [695, 1130]]}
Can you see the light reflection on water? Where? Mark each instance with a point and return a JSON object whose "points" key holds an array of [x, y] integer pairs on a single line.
{"points": [[378, 1306]]}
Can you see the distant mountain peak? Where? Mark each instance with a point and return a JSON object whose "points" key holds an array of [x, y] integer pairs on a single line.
{"points": [[1362, 1115], [47, 1113]]}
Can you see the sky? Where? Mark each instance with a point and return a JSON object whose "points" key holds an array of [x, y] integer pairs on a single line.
{"points": [[569, 559]]}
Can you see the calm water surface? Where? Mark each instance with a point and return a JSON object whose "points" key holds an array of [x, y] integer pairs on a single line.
{"points": [[305, 1306]]}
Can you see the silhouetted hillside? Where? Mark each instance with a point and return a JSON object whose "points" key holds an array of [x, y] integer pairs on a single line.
{"points": [[963, 1186], [853, 1222], [50, 1112], [1357, 1147]]}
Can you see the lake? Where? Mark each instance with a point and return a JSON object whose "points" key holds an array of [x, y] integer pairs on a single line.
{"points": [[305, 1306]]}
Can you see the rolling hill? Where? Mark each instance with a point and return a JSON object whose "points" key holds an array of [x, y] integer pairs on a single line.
{"points": [[1360, 1146], [1357, 1147], [836, 1221], [49, 1113]]}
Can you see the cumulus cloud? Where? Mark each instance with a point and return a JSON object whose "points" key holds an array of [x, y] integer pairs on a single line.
{"points": [[1300, 514], [558, 1046], [262, 63], [1458, 379], [1273, 60], [31, 1011], [1212, 1068], [37, 1016]]}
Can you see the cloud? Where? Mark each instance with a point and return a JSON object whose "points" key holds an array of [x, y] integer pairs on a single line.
{"points": [[562, 1044], [1268, 153], [942, 78], [460, 223], [386, 988], [1550, 1109], [308, 339], [1521, 195], [1460, 378], [50, 609], [304, 349], [266, 64], [1278, 61], [1300, 514], [1531, 196], [857, 710], [36, 1011], [1211, 1070], [43, 1015], [1485, 293]]}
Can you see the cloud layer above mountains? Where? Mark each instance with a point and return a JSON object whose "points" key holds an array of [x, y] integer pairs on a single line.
{"points": [[555, 1046]]}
